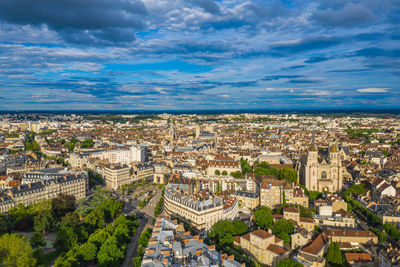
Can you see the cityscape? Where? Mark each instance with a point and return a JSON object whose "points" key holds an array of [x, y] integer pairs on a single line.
{"points": [[210, 133], [165, 189]]}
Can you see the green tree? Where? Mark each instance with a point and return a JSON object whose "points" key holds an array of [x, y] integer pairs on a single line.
{"points": [[288, 174], [88, 143], [283, 229], [217, 172], [392, 231], [71, 219], [111, 207], [37, 240], [122, 233], [66, 238], [334, 255], [96, 218], [263, 217], [110, 253], [44, 221], [240, 227], [224, 173], [15, 251], [288, 263], [63, 204], [245, 166], [4, 224], [98, 237], [223, 232], [87, 252], [218, 188], [314, 194]]}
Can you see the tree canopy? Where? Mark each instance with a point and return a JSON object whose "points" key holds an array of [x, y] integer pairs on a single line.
{"points": [[283, 229], [263, 218], [288, 263], [15, 251], [334, 255]]}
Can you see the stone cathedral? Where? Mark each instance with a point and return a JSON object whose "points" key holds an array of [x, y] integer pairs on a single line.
{"points": [[321, 170]]}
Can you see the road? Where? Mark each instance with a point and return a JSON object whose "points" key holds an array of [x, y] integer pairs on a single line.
{"points": [[145, 216]]}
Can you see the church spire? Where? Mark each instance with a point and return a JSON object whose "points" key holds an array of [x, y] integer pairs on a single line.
{"points": [[313, 147]]}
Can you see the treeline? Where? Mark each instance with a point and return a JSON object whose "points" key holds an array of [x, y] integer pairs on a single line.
{"points": [[142, 241], [159, 205]]}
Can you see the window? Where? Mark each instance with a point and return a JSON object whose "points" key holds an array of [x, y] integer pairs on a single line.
{"points": [[323, 175]]}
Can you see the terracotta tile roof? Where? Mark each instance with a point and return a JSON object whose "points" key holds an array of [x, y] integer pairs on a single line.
{"points": [[305, 219], [353, 233], [246, 236], [291, 209], [262, 234], [237, 239], [315, 246], [358, 257], [277, 249]]}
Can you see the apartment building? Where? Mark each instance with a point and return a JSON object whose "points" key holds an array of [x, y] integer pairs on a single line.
{"points": [[248, 200], [202, 210], [116, 176], [264, 246], [28, 194]]}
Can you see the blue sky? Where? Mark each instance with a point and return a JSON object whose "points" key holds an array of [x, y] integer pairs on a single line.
{"points": [[199, 54]]}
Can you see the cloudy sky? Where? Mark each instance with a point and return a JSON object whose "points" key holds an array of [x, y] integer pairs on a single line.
{"points": [[199, 54]]}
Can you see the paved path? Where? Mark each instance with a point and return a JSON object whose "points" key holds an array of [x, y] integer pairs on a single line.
{"points": [[145, 215]]}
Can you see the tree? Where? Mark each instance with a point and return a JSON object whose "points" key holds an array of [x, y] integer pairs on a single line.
{"points": [[334, 255], [217, 172], [218, 188], [110, 253], [283, 229], [144, 237], [263, 217], [288, 174], [392, 231], [87, 252], [245, 166], [288, 263], [240, 227], [4, 224], [98, 237], [224, 173], [71, 219], [66, 238], [314, 194], [63, 204], [15, 251], [96, 218], [111, 207], [37, 240], [137, 261], [88, 143], [223, 232], [122, 233], [44, 221]]}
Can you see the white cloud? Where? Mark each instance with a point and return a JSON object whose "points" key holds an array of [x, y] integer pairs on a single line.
{"points": [[372, 90]]}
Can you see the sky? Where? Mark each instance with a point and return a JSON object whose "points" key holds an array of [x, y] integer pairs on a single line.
{"points": [[199, 54]]}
